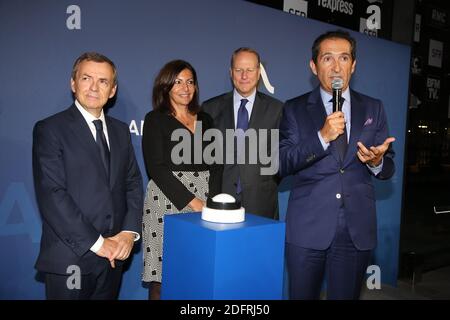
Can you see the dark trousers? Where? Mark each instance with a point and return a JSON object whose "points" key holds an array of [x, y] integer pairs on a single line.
{"points": [[101, 284], [343, 265]]}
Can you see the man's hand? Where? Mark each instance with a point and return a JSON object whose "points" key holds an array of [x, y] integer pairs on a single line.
{"points": [[333, 127], [107, 250], [125, 242], [373, 155]]}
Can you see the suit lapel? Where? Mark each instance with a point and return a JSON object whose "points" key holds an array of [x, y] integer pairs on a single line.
{"points": [[81, 130], [258, 111], [316, 110], [113, 151], [228, 112], [357, 119]]}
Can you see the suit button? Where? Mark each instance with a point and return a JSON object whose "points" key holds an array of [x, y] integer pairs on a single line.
{"points": [[341, 170], [338, 195]]}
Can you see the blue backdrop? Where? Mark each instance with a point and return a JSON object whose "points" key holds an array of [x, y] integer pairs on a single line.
{"points": [[39, 48]]}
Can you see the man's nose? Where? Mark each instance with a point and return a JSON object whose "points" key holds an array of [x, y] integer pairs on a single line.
{"points": [[336, 66], [94, 86]]}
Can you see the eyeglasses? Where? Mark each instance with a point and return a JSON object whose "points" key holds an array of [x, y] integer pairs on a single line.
{"points": [[189, 83], [247, 71]]}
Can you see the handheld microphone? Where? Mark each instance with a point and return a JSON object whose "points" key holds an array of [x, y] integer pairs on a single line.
{"points": [[337, 85]]}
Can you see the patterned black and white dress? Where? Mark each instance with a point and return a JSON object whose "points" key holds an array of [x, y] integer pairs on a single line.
{"points": [[156, 205], [171, 187]]}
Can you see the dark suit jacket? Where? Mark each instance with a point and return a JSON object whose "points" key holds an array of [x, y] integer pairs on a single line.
{"points": [[259, 192], [76, 200], [321, 183]]}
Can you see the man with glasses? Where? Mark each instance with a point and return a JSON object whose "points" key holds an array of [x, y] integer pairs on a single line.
{"points": [[245, 108]]}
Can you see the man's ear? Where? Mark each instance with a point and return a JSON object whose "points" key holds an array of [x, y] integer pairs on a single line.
{"points": [[72, 85], [353, 66], [113, 91], [312, 65]]}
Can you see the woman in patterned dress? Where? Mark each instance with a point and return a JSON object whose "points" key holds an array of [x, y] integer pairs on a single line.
{"points": [[172, 188]]}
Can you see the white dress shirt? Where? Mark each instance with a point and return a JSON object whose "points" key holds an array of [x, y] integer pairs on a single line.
{"points": [[89, 118], [237, 103]]}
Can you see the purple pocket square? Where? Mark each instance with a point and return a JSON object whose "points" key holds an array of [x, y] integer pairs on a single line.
{"points": [[368, 122]]}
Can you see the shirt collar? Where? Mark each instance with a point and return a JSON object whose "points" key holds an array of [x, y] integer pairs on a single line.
{"points": [[87, 116], [326, 97], [237, 97]]}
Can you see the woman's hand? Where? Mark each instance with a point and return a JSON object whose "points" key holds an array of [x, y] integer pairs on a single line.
{"points": [[196, 204]]}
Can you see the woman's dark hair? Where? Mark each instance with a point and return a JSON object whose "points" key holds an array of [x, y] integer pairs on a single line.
{"points": [[164, 82], [337, 34]]}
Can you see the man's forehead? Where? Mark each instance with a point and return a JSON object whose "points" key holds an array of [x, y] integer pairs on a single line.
{"points": [[99, 68], [339, 53]]}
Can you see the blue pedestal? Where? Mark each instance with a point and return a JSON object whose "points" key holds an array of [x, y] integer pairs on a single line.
{"points": [[205, 260]]}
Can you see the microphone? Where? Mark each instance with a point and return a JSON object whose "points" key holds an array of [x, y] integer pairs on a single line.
{"points": [[337, 85]]}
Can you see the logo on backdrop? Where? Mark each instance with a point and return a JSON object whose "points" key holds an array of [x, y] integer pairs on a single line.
{"points": [[297, 7], [363, 28], [73, 21], [340, 6], [417, 24], [135, 128], [17, 199], [439, 18], [416, 64], [433, 87], [265, 80], [435, 53]]}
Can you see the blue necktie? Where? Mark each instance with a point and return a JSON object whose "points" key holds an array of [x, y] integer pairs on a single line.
{"points": [[341, 141], [242, 123], [102, 145]]}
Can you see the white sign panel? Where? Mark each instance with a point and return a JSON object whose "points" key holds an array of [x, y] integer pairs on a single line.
{"points": [[417, 28], [297, 7], [435, 53], [364, 29]]}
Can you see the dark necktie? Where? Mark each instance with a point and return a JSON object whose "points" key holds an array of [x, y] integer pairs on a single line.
{"points": [[341, 141], [102, 145], [242, 123]]}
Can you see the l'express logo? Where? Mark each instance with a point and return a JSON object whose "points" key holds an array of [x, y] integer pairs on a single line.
{"points": [[340, 6]]}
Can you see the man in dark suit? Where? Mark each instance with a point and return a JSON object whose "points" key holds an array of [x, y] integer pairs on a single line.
{"points": [[331, 220], [88, 187], [246, 108]]}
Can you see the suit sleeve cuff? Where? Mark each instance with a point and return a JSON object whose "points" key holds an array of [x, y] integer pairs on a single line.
{"points": [[136, 235], [325, 145], [376, 170], [98, 244]]}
